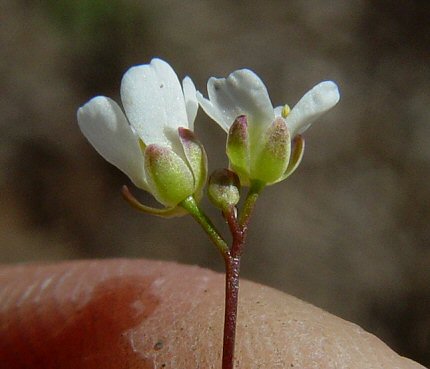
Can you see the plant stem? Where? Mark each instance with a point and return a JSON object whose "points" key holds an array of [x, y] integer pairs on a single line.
{"points": [[191, 206], [251, 198], [239, 230], [232, 256], [232, 268]]}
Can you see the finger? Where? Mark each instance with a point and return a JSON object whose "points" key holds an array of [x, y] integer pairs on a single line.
{"points": [[149, 315]]}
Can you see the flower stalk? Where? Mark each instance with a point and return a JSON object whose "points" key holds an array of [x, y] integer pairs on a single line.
{"points": [[239, 230], [232, 259], [190, 205], [232, 270]]}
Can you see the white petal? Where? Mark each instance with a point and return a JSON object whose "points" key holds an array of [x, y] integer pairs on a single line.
{"points": [[242, 92], [311, 106], [191, 103], [172, 94], [278, 111], [103, 123], [153, 101], [213, 112]]}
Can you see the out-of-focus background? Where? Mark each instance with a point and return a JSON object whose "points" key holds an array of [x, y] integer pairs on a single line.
{"points": [[349, 232]]}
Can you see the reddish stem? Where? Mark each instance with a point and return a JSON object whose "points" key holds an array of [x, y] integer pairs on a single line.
{"points": [[239, 230], [232, 268]]}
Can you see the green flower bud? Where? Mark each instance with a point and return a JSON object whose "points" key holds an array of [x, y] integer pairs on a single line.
{"points": [[271, 161], [169, 177], [224, 189], [238, 150]]}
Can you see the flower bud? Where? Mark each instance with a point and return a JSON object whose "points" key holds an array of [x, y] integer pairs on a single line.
{"points": [[169, 177], [224, 188]]}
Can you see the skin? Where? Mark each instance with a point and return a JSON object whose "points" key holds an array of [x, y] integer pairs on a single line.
{"points": [[150, 315]]}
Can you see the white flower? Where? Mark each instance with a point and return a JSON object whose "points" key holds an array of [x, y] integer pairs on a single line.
{"points": [[243, 93], [156, 107]]}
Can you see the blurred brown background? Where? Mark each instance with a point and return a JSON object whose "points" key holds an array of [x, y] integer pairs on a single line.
{"points": [[348, 232]]}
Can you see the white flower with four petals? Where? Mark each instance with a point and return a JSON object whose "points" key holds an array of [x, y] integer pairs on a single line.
{"points": [[243, 93], [152, 142]]}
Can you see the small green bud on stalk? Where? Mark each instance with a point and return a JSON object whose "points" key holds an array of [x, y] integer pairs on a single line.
{"points": [[224, 189]]}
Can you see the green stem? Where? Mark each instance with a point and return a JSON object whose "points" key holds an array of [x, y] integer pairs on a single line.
{"points": [[253, 193], [191, 206]]}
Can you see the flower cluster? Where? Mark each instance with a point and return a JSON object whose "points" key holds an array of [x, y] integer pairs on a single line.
{"points": [[153, 142]]}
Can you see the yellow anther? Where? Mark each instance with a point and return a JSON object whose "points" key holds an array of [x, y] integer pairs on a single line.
{"points": [[285, 111]]}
